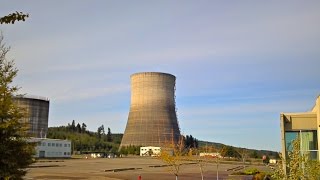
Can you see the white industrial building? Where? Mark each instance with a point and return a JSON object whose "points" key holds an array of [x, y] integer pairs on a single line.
{"points": [[52, 148], [150, 151], [213, 155]]}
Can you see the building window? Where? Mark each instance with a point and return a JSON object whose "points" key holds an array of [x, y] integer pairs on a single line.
{"points": [[60, 145], [57, 144], [289, 138], [308, 142], [52, 144], [49, 144], [43, 144], [65, 145]]}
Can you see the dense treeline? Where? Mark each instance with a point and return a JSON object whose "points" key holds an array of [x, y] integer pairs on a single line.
{"points": [[133, 150], [191, 142], [188, 141], [84, 140]]}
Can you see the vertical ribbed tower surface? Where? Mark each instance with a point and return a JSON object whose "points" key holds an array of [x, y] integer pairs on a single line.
{"points": [[37, 109], [152, 118]]}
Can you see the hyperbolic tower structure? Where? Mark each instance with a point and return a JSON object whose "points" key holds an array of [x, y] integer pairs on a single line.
{"points": [[152, 118]]}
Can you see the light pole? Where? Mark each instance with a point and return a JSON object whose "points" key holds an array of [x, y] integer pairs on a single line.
{"points": [[217, 161]]}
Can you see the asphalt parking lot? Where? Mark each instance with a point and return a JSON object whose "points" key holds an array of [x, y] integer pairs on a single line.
{"points": [[127, 168]]}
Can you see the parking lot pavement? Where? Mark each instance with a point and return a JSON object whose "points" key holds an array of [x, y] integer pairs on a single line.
{"points": [[123, 168]]}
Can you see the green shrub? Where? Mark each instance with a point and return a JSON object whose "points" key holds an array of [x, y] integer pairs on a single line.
{"points": [[251, 171]]}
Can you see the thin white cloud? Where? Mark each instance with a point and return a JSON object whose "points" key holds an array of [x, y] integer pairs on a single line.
{"points": [[81, 94], [116, 120], [247, 108]]}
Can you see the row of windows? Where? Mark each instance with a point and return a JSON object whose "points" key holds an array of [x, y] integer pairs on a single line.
{"points": [[57, 153], [150, 150], [53, 144]]}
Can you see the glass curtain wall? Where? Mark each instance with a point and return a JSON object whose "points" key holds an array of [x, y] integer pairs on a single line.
{"points": [[308, 142]]}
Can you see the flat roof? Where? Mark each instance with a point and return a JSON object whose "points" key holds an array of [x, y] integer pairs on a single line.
{"points": [[32, 97], [34, 138], [299, 113]]}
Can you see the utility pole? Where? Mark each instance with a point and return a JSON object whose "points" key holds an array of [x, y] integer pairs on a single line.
{"points": [[217, 167]]}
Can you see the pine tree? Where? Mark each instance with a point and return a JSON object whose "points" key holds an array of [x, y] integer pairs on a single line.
{"points": [[78, 127], [15, 152], [100, 131], [73, 126], [83, 128], [109, 136]]}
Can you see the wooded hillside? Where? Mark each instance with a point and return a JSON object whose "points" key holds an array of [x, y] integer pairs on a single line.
{"points": [[87, 141]]}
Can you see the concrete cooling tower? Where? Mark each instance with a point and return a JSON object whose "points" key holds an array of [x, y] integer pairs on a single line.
{"points": [[37, 109], [152, 118]]}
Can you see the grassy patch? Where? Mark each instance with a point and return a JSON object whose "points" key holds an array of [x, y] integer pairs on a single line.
{"points": [[250, 171]]}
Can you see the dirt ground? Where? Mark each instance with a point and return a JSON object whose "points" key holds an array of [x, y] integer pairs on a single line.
{"points": [[132, 167]]}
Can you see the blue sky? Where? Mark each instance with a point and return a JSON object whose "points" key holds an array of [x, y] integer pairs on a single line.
{"points": [[238, 63]]}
